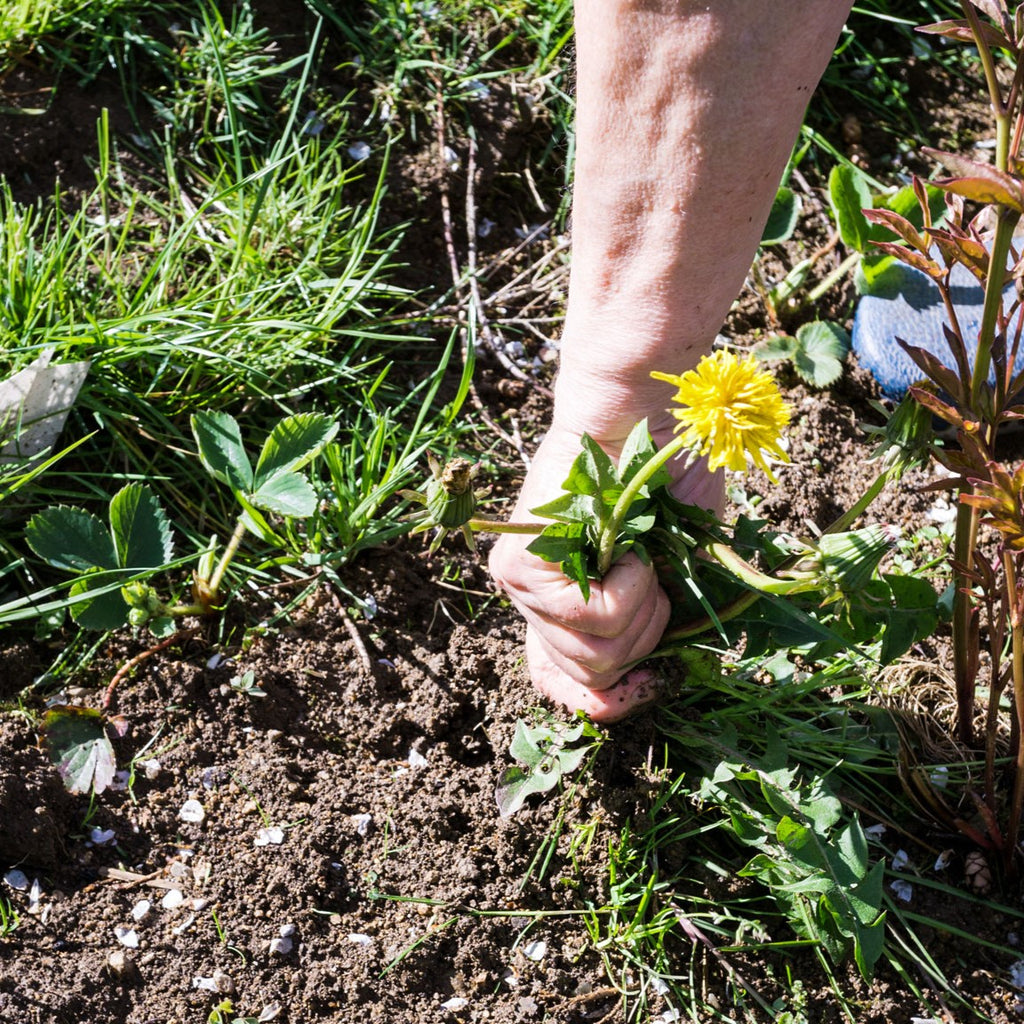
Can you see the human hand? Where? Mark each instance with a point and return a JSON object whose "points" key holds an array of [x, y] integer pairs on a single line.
{"points": [[578, 652]]}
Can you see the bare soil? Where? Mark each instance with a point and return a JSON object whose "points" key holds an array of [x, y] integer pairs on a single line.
{"points": [[393, 890]]}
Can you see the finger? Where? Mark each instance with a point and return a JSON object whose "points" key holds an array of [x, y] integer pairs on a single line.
{"points": [[542, 589], [597, 661], [636, 689]]}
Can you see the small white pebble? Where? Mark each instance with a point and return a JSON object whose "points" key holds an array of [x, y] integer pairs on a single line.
{"points": [[185, 925], [416, 759], [455, 1003], [659, 986], [358, 939], [204, 984], [269, 837], [17, 880], [192, 811], [281, 946], [127, 937], [141, 909], [268, 1013], [535, 950], [200, 904], [362, 823], [151, 768], [172, 899]]}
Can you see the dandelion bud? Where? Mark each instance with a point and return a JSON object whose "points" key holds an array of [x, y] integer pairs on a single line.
{"points": [[450, 498]]}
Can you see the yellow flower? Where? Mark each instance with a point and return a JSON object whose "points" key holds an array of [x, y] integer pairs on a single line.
{"points": [[731, 410]]}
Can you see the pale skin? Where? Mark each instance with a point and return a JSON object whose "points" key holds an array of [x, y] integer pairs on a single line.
{"points": [[686, 116]]}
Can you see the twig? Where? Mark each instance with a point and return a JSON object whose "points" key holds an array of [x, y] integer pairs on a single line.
{"points": [[353, 632]]}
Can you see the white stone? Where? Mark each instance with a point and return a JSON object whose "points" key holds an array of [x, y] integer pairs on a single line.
{"points": [[269, 837], [127, 937], [141, 909], [192, 811], [535, 950], [172, 899]]}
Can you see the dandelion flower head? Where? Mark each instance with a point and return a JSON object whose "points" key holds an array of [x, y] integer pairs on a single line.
{"points": [[731, 410]]}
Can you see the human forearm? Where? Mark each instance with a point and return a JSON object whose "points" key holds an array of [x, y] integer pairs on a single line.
{"points": [[686, 117]]}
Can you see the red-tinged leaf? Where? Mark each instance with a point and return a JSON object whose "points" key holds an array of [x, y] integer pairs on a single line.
{"points": [[923, 200], [935, 370], [960, 30], [972, 252], [979, 182], [935, 405], [898, 226], [911, 257], [956, 346], [80, 748]]}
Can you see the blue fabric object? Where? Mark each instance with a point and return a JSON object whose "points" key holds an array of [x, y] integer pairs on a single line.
{"points": [[905, 303]]}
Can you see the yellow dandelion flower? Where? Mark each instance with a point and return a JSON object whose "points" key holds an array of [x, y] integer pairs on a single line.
{"points": [[731, 410]]}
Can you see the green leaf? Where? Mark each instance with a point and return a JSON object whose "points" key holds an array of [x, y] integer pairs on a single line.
{"points": [[104, 611], [287, 494], [70, 539], [291, 444], [515, 785], [850, 195], [779, 346], [78, 745], [524, 747], [914, 616], [636, 453], [565, 543], [783, 217], [822, 349], [221, 450], [140, 530], [593, 472]]}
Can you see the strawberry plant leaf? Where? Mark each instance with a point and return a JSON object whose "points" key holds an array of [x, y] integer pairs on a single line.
{"points": [[78, 745], [103, 611], [822, 348], [287, 494], [221, 450], [291, 444], [140, 530], [71, 539]]}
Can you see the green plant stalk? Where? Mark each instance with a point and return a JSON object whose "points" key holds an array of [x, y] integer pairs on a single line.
{"points": [[754, 578], [964, 624], [610, 530], [484, 524], [230, 550]]}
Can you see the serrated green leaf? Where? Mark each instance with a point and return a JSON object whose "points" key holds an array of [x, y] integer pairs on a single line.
{"points": [[79, 747], [71, 539], [567, 508], [850, 195], [779, 346], [287, 494], [104, 611], [592, 472], [221, 450], [783, 217], [636, 453], [822, 349], [566, 544], [140, 529], [291, 444]]}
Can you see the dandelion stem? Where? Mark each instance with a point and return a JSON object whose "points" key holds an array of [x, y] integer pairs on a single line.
{"points": [[611, 528]]}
